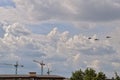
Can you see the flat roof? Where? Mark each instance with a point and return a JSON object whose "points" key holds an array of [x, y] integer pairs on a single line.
{"points": [[29, 76]]}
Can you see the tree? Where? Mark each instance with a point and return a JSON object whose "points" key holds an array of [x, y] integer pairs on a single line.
{"points": [[100, 76], [116, 76], [88, 74], [77, 75]]}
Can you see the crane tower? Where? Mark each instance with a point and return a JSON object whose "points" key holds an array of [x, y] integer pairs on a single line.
{"points": [[42, 64], [15, 65]]}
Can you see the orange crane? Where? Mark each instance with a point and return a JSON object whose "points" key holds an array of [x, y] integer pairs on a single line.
{"points": [[42, 64], [15, 65]]}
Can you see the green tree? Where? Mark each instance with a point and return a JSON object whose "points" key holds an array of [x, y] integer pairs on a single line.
{"points": [[117, 77], [77, 75], [88, 74], [100, 76]]}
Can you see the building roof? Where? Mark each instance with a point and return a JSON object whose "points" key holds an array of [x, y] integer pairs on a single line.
{"points": [[29, 76]]}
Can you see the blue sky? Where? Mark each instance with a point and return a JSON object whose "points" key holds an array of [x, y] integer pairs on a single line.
{"points": [[57, 32], [7, 3]]}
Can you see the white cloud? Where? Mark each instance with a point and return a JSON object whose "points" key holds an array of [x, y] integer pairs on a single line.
{"points": [[17, 42], [95, 64], [16, 30], [77, 12], [55, 48], [116, 64]]}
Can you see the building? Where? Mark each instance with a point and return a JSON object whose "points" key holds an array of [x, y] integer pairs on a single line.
{"points": [[30, 76]]}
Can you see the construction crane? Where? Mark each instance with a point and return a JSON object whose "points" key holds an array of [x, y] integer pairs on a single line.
{"points": [[42, 64], [15, 65], [48, 72]]}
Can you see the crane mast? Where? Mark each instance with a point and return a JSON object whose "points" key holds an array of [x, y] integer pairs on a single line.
{"points": [[42, 65], [48, 72], [15, 65]]}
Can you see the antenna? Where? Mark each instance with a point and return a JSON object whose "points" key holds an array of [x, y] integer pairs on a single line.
{"points": [[42, 64]]}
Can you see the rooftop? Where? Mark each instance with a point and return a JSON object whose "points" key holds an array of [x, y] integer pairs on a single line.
{"points": [[29, 76]]}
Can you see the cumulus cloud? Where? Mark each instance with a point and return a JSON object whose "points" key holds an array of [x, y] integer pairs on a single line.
{"points": [[94, 64], [72, 51], [71, 10], [77, 12], [55, 48]]}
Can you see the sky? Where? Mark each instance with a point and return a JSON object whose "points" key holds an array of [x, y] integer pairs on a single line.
{"points": [[57, 32]]}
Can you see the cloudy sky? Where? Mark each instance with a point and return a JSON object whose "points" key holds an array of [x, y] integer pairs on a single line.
{"points": [[57, 32]]}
